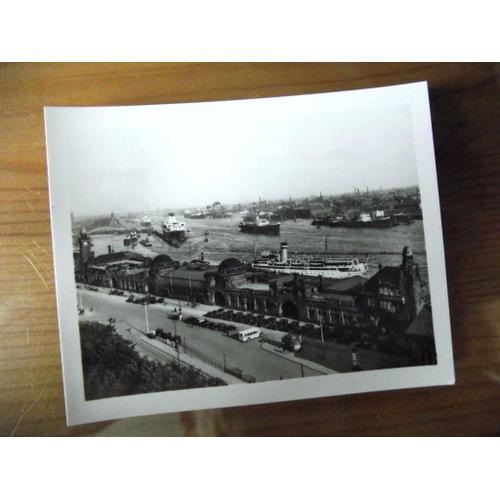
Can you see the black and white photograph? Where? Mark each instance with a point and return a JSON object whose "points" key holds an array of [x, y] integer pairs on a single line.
{"points": [[236, 252]]}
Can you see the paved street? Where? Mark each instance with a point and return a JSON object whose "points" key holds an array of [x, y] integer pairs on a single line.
{"points": [[214, 346]]}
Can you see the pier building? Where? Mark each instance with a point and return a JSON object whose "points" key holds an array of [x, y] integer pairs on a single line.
{"points": [[389, 301]]}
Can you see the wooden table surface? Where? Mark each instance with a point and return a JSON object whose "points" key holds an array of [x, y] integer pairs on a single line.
{"points": [[466, 120]]}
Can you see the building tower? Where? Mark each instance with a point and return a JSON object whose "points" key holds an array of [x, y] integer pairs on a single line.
{"points": [[413, 289], [408, 264], [85, 245]]}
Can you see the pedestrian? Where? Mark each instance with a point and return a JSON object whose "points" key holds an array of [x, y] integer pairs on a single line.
{"points": [[355, 360]]}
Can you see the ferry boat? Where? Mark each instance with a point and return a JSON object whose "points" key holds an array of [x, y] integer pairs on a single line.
{"points": [[173, 231], [260, 225], [325, 265]]}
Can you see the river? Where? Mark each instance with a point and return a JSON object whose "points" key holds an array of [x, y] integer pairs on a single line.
{"points": [[221, 238]]}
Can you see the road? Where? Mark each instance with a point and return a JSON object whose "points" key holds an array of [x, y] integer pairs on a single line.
{"points": [[214, 346]]}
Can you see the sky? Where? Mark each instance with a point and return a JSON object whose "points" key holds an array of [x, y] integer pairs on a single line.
{"points": [[142, 158]]}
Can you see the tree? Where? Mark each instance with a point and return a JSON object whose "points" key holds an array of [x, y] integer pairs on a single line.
{"points": [[112, 367]]}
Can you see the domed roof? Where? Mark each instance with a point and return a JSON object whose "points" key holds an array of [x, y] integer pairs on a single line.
{"points": [[161, 260], [231, 266], [407, 252]]}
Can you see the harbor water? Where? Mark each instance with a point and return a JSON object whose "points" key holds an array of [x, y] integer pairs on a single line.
{"points": [[219, 239]]}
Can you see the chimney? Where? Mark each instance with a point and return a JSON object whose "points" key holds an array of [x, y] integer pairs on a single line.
{"points": [[284, 252]]}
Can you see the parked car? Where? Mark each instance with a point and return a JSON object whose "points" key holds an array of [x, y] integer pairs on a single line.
{"points": [[193, 320], [235, 371], [130, 298], [248, 378]]}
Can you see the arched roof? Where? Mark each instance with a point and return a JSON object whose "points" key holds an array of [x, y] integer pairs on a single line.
{"points": [[231, 266], [109, 258], [161, 260]]}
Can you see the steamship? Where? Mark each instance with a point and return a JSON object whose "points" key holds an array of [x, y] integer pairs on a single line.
{"points": [[173, 232], [324, 265], [260, 225]]}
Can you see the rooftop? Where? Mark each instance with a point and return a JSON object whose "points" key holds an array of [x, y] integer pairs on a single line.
{"points": [[110, 258], [343, 285], [388, 275], [255, 286], [192, 274]]}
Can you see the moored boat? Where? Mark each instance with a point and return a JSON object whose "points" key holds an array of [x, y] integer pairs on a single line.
{"points": [[259, 225], [376, 219]]}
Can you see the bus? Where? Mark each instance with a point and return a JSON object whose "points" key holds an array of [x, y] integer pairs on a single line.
{"points": [[249, 334]]}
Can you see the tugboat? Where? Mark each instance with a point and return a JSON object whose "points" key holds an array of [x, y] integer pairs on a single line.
{"points": [[131, 239], [145, 242], [325, 265], [260, 225]]}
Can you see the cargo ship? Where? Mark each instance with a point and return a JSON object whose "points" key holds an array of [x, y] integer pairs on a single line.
{"points": [[259, 225], [325, 265], [195, 215], [364, 220], [172, 231]]}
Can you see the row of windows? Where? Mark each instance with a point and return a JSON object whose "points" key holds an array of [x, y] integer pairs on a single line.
{"points": [[329, 316], [384, 304], [247, 303]]}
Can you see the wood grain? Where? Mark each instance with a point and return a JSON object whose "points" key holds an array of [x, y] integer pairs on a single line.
{"points": [[465, 113]]}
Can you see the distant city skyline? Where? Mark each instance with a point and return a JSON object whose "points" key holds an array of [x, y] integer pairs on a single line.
{"points": [[144, 158], [243, 204]]}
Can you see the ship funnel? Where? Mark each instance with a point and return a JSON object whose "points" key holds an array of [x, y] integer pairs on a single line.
{"points": [[284, 252]]}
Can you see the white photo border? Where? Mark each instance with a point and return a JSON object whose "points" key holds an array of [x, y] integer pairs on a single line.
{"points": [[80, 411]]}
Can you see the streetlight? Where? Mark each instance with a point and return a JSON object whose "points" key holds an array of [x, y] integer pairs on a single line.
{"points": [[146, 290], [322, 339], [146, 316]]}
